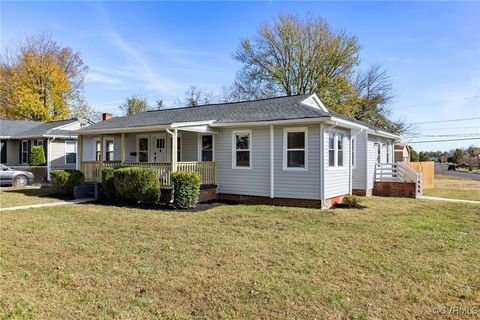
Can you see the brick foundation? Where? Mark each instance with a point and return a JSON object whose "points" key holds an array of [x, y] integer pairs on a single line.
{"points": [[362, 192], [395, 189], [287, 202], [207, 193]]}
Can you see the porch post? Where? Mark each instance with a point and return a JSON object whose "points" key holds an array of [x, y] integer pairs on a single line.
{"points": [[80, 151], [123, 148], [174, 150], [100, 158]]}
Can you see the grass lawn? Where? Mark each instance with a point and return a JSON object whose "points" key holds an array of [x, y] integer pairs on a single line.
{"points": [[12, 197], [395, 259], [455, 188]]}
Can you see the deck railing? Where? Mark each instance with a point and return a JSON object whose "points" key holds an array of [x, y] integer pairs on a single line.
{"points": [[91, 169], [399, 172]]}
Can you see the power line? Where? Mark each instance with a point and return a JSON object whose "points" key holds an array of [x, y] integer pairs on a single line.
{"points": [[449, 135], [444, 140], [451, 120], [444, 101], [449, 128]]}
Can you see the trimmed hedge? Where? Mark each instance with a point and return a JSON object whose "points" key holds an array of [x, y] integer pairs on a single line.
{"points": [[37, 157], [108, 185], [186, 188], [135, 185], [65, 180]]}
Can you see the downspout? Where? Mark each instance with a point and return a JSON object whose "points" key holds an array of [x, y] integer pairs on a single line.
{"points": [[272, 162], [49, 157], [173, 137]]}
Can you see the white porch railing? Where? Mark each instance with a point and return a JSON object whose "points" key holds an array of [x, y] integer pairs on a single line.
{"points": [[91, 169], [398, 172]]}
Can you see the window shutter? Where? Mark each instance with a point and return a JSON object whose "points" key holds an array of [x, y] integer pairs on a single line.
{"points": [[45, 146], [29, 148], [19, 151], [3, 146]]}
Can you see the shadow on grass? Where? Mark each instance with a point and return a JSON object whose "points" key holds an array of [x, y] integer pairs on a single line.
{"points": [[46, 192], [343, 206], [201, 207]]}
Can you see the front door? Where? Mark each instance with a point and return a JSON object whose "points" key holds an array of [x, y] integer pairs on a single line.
{"points": [[159, 147]]}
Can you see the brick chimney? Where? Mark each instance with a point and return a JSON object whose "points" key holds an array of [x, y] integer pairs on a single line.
{"points": [[106, 116]]}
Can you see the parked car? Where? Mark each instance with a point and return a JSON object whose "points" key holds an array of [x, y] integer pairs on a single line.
{"points": [[452, 167], [17, 178]]}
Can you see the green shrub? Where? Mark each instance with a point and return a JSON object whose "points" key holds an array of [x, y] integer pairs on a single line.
{"points": [[350, 201], [65, 180], [37, 156], [135, 185], [186, 188], [108, 185]]}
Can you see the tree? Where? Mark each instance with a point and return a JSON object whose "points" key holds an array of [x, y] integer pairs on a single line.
{"points": [[159, 104], [423, 156], [458, 155], [294, 56], [413, 154], [134, 104], [40, 80], [195, 97], [37, 156]]}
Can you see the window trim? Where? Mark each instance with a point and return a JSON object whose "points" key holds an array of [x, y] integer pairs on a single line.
{"points": [[137, 147], [353, 154], [234, 148], [108, 139], [76, 151], [23, 151], [335, 152], [286, 131], [200, 146]]}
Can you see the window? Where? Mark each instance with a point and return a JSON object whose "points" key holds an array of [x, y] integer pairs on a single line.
{"points": [[142, 153], [24, 151], [295, 149], [354, 150], [70, 151], [379, 152], [388, 153], [39, 143], [97, 150], [242, 144], [335, 149], [207, 148], [109, 152], [179, 148]]}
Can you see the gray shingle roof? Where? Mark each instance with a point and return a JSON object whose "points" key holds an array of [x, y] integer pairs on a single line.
{"points": [[281, 108], [24, 128]]}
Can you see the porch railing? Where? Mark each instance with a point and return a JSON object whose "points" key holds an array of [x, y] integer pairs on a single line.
{"points": [[91, 169], [398, 172]]}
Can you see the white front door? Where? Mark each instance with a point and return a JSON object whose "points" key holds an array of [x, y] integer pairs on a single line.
{"points": [[158, 147]]}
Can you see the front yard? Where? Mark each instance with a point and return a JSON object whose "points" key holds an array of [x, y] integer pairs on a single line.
{"points": [[455, 188], [396, 259], [12, 197]]}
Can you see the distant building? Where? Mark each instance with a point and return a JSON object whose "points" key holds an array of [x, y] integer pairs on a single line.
{"points": [[401, 152]]}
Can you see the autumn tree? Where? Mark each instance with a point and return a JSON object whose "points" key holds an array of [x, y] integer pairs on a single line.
{"points": [[134, 104], [41, 81]]}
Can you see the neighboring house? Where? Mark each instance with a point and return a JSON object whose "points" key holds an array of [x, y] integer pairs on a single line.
{"points": [[58, 139], [287, 150], [402, 153]]}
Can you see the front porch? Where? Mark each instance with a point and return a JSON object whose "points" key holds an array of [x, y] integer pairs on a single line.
{"points": [[164, 151]]}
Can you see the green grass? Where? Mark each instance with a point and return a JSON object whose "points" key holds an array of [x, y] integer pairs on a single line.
{"points": [[12, 197], [396, 259], [454, 188]]}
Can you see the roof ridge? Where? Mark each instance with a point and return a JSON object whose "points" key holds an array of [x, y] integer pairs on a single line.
{"points": [[233, 102]]}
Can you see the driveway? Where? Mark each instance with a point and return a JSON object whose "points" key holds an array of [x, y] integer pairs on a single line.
{"points": [[442, 169]]}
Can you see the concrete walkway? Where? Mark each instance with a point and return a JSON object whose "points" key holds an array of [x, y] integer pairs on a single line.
{"points": [[48, 204], [449, 200]]}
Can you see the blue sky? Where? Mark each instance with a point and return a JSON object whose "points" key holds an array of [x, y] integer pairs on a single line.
{"points": [[431, 50]]}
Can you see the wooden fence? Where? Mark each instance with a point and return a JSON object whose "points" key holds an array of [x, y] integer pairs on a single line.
{"points": [[427, 168]]}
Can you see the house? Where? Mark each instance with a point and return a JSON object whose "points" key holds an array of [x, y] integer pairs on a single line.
{"points": [[58, 139], [286, 150], [402, 152]]}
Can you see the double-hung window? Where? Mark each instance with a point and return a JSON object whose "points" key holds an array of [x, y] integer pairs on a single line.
{"points": [[109, 152], [378, 149], [207, 148], [335, 149], [39, 143], [97, 150], [388, 153], [295, 149], [70, 151], [24, 151], [242, 156]]}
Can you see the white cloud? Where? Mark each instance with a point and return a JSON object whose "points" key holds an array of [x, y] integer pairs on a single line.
{"points": [[98, 77]]}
